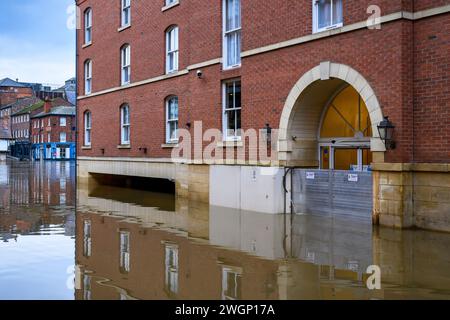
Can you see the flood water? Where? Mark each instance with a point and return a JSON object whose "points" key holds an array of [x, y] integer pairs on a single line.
{"points": [[132, 244]]}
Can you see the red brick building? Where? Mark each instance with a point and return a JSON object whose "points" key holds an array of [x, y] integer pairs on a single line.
{"points": [[323, 73], [11, 90], [20, 120], [53, 131]]}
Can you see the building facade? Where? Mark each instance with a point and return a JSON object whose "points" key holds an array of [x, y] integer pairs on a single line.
{"points": [[11, 90], [321, 76], [53, 131]]}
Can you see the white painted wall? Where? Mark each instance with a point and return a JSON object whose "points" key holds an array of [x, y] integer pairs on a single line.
{"points": [[248, 188]]}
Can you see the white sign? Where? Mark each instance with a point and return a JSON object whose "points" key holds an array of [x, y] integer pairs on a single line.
{"points": [[353, 177], [310, 176]]}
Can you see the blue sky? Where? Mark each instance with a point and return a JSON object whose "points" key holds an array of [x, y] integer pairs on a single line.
{"points": [[36, 44]]}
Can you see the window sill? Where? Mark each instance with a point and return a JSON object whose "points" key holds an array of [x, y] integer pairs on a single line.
{"points": [[171, 72], [225, 68], [86, 45], [170, 6], [337, 26], [124, 28], [86, 148], [124, 146], [230, 144], [169, 145]]}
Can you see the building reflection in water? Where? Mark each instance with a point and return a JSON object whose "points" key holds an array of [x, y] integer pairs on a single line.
{"points": [[35, 196], [37, 229], [145, 249]]}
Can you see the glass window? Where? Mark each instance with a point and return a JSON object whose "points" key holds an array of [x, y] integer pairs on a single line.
{"points": [[327, 14], [232, 33], [62, 121], [88, 26], [87, 128], [172, 50], [126, 64], [172, 120], [88, 77], [232, 110], [62, 137], [347, 116], [231, 283], [125, 125], [126, 12]]}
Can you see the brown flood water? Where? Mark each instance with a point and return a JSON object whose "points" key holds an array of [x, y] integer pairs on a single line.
{"points": [[133, 244]]}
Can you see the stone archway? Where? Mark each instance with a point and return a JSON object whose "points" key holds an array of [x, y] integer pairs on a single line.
{"points": [[302, 112]]}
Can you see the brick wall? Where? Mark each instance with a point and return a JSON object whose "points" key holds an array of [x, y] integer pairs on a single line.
{"points": [[387, 58], [54, 129]]}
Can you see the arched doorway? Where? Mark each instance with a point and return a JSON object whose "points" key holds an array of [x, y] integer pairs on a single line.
{"points": [[328, 132], [345, 133], [307, 110]]}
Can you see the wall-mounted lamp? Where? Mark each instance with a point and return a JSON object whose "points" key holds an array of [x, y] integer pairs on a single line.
{"points": [[103, 151], [143, 149], [386, 131], [188, 125], [200, 74]]}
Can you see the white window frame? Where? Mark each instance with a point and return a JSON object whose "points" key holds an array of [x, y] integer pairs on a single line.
{"points": [[237, 135], [62, 137], [234, 32], [125, 13], [125, 125], [88, 26], [88, 77], [172, 49], [316, 28], [235, 273], [62, 121], [170, 121], [87, 128], [125, 61]]}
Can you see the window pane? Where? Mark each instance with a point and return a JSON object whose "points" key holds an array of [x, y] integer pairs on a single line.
{"points": [[324, 13], [230, 95], [344, 159], [237, 95], [231, 125], [337, 12], [238, 123], [173, 109]]}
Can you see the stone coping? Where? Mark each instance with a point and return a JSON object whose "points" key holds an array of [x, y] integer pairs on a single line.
{"points": [[418, 167]]}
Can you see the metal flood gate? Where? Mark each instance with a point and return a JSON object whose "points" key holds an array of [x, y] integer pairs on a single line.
{"points": [[329, 192]]}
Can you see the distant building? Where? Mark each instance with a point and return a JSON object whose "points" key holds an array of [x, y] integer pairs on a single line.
{"points": [[8, 110], [20, 127], [53, 131], [69, 90], [11, 90], [20, 120], [5, 138]]}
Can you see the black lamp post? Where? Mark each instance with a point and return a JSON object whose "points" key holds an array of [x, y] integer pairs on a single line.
{"points": [[386, 131]]}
